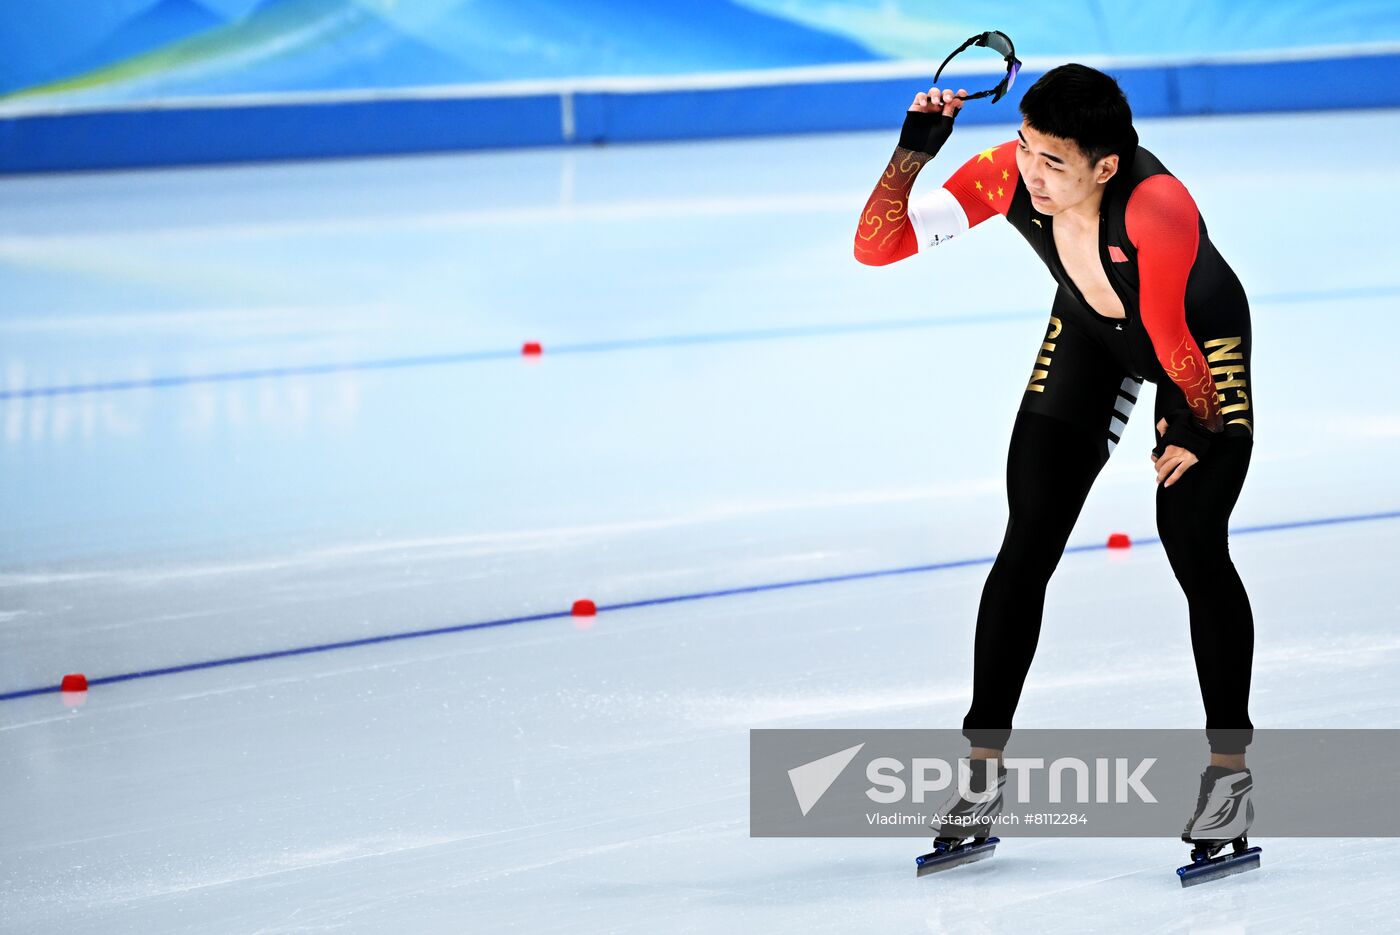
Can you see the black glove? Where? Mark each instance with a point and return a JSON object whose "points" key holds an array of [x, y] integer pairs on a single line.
{"points": [[925, 132], [1185, 432]]}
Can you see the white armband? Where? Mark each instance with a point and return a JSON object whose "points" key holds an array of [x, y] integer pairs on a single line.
{"points": [[936, 217]]}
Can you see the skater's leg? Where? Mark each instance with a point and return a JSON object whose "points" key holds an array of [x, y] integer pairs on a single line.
{"points": [[1192, 519], [1072, 414], [1051, 464]]}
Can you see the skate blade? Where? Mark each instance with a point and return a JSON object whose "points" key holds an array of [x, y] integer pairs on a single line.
{"points": [[1203, 871], [947, 860]]}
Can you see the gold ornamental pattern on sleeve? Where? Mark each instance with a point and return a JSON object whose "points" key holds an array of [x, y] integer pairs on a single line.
{"points": [[1186, 367], [887, 212]]}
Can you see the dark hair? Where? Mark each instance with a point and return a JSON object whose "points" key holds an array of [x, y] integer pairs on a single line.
{"points": [[1082, 104]]}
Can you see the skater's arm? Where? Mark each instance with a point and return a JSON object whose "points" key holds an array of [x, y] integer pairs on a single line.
{"points": [[983, 186], [980, 189], [890, 225], [1163, 225], [885, 234]]}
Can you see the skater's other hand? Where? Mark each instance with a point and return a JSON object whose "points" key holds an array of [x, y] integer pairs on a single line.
{"points": [[1174, 461]]}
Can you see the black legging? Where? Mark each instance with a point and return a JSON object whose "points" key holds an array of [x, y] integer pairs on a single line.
{"points": [[1050, 467]]}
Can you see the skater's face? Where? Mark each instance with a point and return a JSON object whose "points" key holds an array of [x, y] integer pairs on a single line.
{"points": [[1057, 173]]}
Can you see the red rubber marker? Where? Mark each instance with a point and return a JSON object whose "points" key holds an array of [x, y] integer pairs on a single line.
{"points": [[532, 349], [1119, 540], [73, 691], [584, 609]]}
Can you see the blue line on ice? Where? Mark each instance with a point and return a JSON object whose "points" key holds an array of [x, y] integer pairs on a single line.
{"points": [[649, 602], [628, 344]]}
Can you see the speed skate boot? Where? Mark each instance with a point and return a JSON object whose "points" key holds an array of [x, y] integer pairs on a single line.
{"points": [[963, 826], [1223, 816]]}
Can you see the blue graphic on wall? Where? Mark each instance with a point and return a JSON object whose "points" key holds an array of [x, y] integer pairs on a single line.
{"points": [[120, 51]]}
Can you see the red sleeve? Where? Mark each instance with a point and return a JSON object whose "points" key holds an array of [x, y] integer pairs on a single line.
{"points": [[983, 187], [985, 183], [885, 234], [1164, 227]]}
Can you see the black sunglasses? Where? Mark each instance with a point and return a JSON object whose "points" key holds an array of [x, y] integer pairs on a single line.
{"points": [[998, 42]]}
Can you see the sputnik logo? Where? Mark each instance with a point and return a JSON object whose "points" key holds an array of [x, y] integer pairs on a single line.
{"points": [[811, 780]]}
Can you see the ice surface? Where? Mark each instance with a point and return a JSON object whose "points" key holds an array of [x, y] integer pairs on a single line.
{"points": [[726, 399]]}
